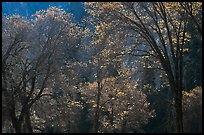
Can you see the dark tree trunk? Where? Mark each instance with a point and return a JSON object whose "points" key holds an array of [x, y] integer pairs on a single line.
{"points": [[176, 88], [14, 120], [28, 122], [96, 126], [179, 110], [27, 128], [123, 129], [178, 107], [16, 124], [97, 108], [179, 115]]}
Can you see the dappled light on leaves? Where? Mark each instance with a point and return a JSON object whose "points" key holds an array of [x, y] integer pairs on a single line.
{"points": [[126, 67]]}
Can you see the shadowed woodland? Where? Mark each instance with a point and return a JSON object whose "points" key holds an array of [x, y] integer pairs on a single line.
{"points": [[126, 67]]}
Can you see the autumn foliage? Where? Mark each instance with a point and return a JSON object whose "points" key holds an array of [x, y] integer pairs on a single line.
{"points": [[104, 74]]}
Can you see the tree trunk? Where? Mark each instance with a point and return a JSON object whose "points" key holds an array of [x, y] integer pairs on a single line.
{"points": [[97, 107], [16, 124], [177, 94], [27, 128], [14, 120], [123, 129], [179, 112]]}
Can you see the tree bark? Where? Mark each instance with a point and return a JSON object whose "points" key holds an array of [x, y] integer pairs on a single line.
{"points": [[179, 113], [27, 128], [179, 118], [123, 129], [176, 88], [178, 108], [98, 98], [97, 108]]}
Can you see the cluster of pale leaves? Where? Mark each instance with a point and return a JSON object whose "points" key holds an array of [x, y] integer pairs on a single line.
{"points": [[194, 97], [192, 110], [60, 109], [122, 105]]}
